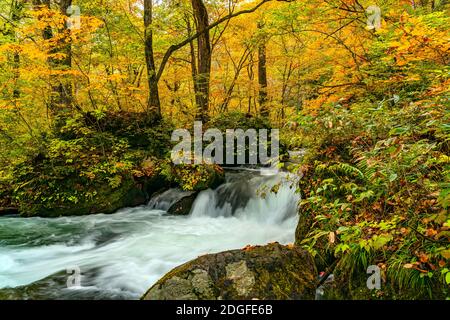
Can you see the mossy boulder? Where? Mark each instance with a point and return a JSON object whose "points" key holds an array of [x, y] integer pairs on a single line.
{"points": [[100, 163], [262, 272], [75, 195], [91, 199], [39, 290], [81, 171]]}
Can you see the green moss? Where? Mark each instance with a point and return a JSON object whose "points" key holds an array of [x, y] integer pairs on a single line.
{"points": [[265, 272]]}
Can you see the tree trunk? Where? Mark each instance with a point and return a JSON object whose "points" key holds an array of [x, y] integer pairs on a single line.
{"points": [[194, 69], [251, 90], [237, 71], [61, 99], [153, 103], [262, 75], [16, 12], [204, 53]]}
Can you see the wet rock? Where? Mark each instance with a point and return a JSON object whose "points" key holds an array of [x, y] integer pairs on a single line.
{"points": [[55, 287], [8, 211], [243, 279], [264, 272], [183, 206]]}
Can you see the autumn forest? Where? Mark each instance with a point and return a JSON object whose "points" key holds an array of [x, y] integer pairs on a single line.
{"points": [[91, 92]]}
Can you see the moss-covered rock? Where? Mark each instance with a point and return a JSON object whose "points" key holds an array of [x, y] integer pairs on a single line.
{"points": [[97, 198], [100, 163], [87, 169], [263, 272], [39, 290]]}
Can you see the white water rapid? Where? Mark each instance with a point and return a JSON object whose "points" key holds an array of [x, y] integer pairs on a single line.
{"points": [[123, 254]]}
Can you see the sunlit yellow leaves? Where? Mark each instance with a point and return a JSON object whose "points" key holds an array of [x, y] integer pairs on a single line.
{"points": [[446, 254], [416, 40]]}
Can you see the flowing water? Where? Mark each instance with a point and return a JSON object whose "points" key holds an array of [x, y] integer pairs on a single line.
{"points": [[123, 254]]}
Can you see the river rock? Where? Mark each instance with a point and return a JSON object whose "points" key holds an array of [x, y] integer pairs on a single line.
{"points": [[55, 287], [175, 201], [183, 206], [263, 272], [8, 211]]}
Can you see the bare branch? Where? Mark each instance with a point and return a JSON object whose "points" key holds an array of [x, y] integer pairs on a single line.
{"points": [[180, 45]]}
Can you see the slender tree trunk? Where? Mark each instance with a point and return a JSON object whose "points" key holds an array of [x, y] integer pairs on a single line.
{"points": [[63, 89], [174, 100], [61, 99], [287, 73], [237, 72], [16, 10], [251, 77], [153, 103], [262, 76], [204, 54], [109, 68], [16, 64], [194, 69]]}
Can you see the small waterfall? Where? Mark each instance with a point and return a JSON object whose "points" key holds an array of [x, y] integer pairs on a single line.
{"points": [[246, 195], [123, 254], [163, 201]]}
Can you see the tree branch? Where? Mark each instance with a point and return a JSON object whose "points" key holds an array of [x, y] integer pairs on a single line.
{"points": [[180, 45]]}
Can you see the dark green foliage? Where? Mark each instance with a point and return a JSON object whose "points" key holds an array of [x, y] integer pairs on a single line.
{"points": [[89, 166], [140, 130], [238, 120], [375, 191]]}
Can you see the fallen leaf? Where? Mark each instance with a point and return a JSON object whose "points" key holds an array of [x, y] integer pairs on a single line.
{"points": [[332, 237], [430, 232], [423, 258], [446, 254]]}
